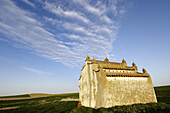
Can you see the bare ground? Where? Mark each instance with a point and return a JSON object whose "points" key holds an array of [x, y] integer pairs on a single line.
{"points": [[6, 108], [17, 98], [70, 99], [31, 97]]}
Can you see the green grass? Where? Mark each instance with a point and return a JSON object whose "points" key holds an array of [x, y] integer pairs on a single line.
{"points": [[40, 105], [135, 108], [52, 104], [163, 94]]}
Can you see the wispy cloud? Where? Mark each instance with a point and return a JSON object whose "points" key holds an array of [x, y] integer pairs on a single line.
{"points": [[97, 8], [5, 40], [59, 11], [35, 70], [29, 3], [4, 58], [65, 33]]}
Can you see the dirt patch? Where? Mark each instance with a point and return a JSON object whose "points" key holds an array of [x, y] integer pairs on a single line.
{"points": [[6, 108], [70, 99], [17, 98], [40, 95], [32, 96]]}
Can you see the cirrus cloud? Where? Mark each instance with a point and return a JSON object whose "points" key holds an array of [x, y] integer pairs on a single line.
{"points": [[63, 32]]}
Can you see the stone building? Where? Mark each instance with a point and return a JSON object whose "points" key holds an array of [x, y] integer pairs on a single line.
{"points": [[107, 84]]}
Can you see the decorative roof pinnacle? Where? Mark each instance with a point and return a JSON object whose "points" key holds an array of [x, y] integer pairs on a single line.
{"points": [[88, 57], [123, 61], [106, 60], [144, 70], [133, 64]]}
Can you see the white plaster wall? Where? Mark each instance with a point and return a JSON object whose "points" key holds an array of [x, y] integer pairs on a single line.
{"points": [[128, 90], [89, 86], [84, 93], [97, 90], [93, 86]]}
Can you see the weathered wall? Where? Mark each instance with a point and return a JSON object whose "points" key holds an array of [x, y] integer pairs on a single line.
{"points": [[97, 90], [84, 87], [88, 86], [88, 90], [128, 90]]}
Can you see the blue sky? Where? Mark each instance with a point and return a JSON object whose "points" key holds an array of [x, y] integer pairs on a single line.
{"points": [[43, 43]]}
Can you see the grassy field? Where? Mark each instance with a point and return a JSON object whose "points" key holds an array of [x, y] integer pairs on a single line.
{"points": [[48, 104], [42, 103], [163, 94]]}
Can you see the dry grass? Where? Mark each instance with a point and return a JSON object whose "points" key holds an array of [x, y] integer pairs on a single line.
{"points": [[70, 99], [7, 108], [33, 95]]}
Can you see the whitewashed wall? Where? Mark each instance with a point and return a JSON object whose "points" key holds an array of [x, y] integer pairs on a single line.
{"points": [[97, 90]]}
